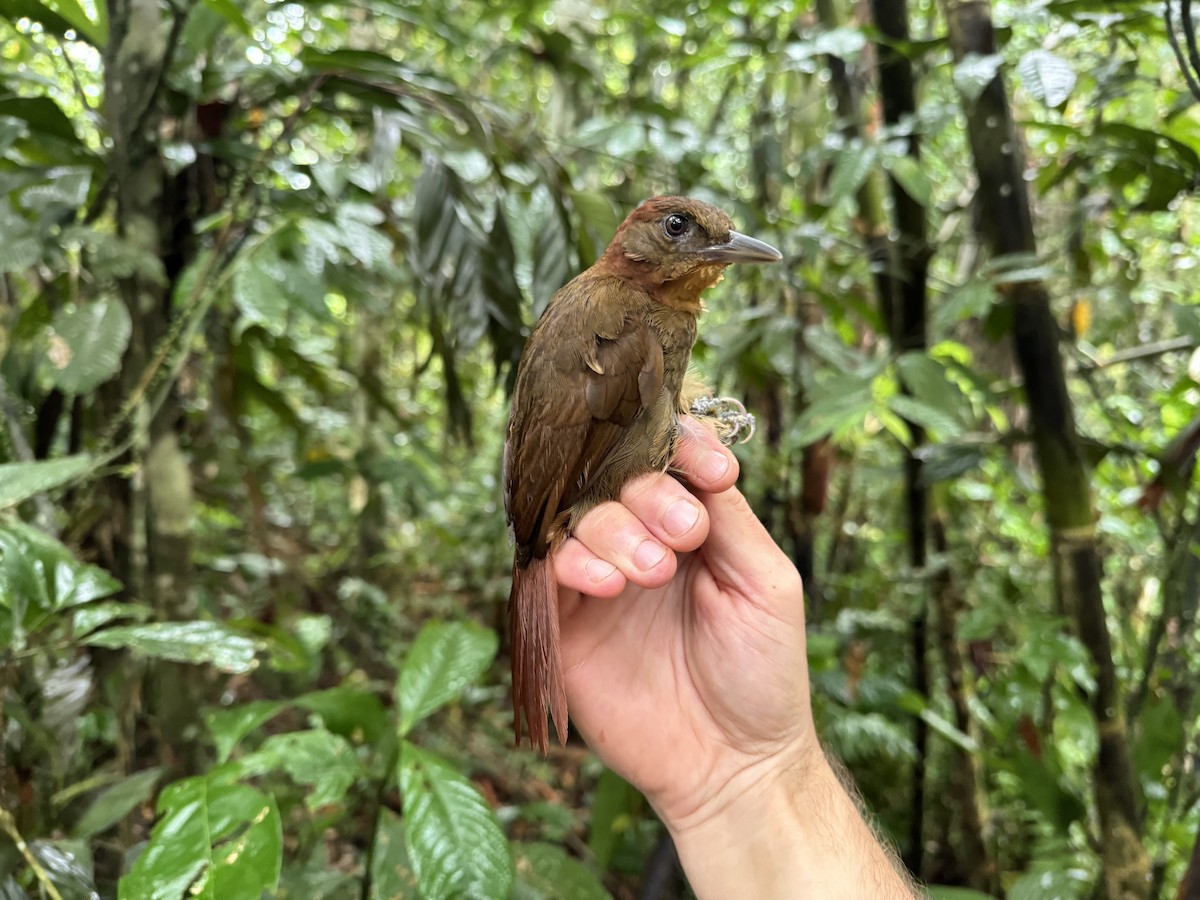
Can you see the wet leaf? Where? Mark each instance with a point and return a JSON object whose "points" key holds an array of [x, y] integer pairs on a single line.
{"points": [[444, 659], [453, 839], [88, 343], [185, 642]]}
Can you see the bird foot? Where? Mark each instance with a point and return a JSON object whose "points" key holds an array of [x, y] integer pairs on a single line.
{"points": [[728, 414]]}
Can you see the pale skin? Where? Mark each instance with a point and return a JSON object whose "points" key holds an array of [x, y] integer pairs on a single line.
{"points": [[683, 644]]}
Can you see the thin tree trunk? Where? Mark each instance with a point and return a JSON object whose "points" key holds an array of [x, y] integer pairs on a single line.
{"points": [[155, 529], [897, 88], [1066, 486], [899, 275]]}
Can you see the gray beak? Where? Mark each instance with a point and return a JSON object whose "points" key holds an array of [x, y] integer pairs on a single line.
{"points": [[741, 248]]}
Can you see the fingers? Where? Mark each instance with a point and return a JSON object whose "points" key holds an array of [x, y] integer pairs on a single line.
{"points": [[702, 458], [633, 540]]}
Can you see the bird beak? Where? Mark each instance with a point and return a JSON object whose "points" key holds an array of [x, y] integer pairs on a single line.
{"points": [[741, 248]]}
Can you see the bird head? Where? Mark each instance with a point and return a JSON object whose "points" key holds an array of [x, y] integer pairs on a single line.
{"points": [[675, 247]]}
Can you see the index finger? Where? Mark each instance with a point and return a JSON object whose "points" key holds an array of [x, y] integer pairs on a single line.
{"points": [[702, 459]]}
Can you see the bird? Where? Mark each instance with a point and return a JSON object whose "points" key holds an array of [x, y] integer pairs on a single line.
{"points": [[596, 401]]}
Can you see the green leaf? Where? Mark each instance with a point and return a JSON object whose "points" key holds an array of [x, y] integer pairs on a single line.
{"points": [[228, 10], [924, 414], [444, 659], [42, 115], [926, 379], [116, 801], [88, 618], [1047, 76], [940, 892], [20, 481], [945, 462], [546, 872], [844, 402], [392, 875], [213, 840], [39, 576], [259, 290], [975, 72], [454, 841], [317, 758], [853, 166], [229, 726], [612, 803], [355, 714], [912, 178], [87, 344], [185, 642]]}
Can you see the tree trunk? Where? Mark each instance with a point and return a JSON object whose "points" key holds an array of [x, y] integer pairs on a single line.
{"points": [[153, 527], [1066, 487]]}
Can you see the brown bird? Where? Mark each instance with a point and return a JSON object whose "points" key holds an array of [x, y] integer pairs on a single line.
{"points": [[598, 394]]}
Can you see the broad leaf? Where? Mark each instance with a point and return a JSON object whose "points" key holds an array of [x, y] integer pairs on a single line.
{"points": [[213, 840], [453, 839], [444, 659], [87, 344], [20, 481], [185, 642], [319, 759], [912, 178]]}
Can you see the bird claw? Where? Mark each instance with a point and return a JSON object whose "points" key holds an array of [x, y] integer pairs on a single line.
{"points": [[728, 414]]}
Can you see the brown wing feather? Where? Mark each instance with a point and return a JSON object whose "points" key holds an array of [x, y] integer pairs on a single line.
{"points": [[571, 406]]}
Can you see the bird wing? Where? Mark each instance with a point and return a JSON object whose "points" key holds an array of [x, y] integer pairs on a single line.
{"points": [[571, 406]]}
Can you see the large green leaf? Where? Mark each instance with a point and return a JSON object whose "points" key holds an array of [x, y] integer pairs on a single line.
{"points": [[444, 659], [20, 481], [185, 642], [20, 248], [317, 758], [454, 841], [213, 840], [39, 577], [88, 343], [546, 872]]}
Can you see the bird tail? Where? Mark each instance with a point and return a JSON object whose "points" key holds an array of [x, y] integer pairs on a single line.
{"points": [[537, 672]]}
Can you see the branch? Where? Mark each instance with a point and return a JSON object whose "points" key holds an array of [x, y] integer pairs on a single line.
{"points": [[1189, 35], [9, 825], [1135, 353]]}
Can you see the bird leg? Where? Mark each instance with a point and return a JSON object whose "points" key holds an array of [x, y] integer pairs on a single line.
{"points": [[728, 415]]}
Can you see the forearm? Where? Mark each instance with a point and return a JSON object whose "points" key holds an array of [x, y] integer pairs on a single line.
{"points": [[799, 835]]}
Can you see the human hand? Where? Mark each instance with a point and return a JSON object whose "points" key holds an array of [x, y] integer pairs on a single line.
{"points": [[683, 642]]}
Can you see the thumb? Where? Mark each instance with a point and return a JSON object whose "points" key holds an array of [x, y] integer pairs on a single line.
{"points": [[744, 558]]}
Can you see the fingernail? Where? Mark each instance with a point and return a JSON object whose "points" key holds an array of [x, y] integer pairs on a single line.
{"points": [[649, 554], [680, 517], [716, 466], [598, 570]]}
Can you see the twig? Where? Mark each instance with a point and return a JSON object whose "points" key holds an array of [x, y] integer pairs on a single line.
{"points": [[180, 19], [9, 825], [1189, 35], [1157, 348]]}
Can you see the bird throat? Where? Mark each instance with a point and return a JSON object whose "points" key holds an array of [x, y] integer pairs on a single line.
{"points": [[683, 293]]}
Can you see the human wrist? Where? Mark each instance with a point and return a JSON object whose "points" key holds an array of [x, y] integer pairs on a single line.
{"points": [[789, 830]]}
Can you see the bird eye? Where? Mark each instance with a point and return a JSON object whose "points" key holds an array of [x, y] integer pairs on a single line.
{"points": [[676, 225]]}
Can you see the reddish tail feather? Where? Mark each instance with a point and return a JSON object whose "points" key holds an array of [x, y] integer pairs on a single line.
{"points": [[537, 673]]}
